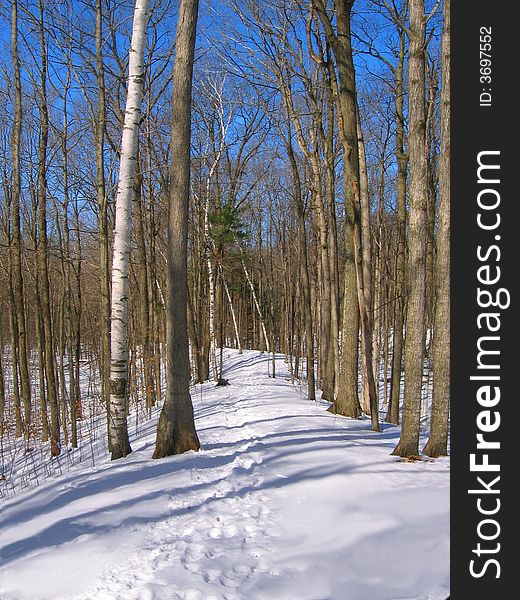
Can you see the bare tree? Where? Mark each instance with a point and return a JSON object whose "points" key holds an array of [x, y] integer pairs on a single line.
{"points": [[339, 38], [438, 442], [19, 337], [120, 445], [414, 347], [104, 254], [176, 428]]}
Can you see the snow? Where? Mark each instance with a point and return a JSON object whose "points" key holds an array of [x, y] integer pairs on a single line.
{"points": [[284, 502]]}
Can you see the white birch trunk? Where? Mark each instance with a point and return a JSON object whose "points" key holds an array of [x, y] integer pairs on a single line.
{"points": [[235, 325], [258, 310], [207, 240], [119, 326]]}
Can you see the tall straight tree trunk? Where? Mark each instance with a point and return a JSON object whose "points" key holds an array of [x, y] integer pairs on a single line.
{"points": [[144, 296], [65, 308], [438, 441], [68, 268], [402, 161], [329, 151], [416, 274], [339, 38], [176, 429], [231, 310], [13, 326], [2, 385], [432, 143], [257, 304], [366, 243], [42, 251], [103, 215], [78, 309], [377, 306], [63, 315], [211, 293], [40, 343], [16, 247], [304, 266], [120, 445]]}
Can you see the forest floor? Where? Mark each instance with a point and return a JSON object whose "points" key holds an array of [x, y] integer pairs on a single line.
{"points": [[284, 502]]}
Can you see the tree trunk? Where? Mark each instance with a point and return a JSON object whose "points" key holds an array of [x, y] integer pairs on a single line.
{"points": [[120, 445], [232, 310], [2, 386], [257, 304], [16, 246], [176, 429], [416, 275], [400, 304], [144, 304], [438, 441], [42, 251], [347, 402], [104, 270], [366, 244], [304, 266]]}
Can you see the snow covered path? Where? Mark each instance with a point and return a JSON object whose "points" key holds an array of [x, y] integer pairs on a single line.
{"points": [[284, 502]]}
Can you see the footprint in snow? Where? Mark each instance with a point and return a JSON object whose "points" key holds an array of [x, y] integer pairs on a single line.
{"points": [[192, 567], [211, 575]]}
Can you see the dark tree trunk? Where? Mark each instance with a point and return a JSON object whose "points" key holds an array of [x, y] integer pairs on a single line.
{"points": [[20, 332], [438, 442], [42, 252], [399, 310], [176, 429], [416, 273]]}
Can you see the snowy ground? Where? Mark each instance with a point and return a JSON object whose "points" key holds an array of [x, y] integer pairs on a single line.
{"points": [[284, 502]]}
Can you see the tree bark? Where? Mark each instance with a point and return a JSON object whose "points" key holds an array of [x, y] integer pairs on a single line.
{"points": [[120, 445], [104, 270], [176, 429], [416, 274], [399, 310], [438, 441], [144, 296], [366, 257], [42, 250], [347, 402], [16, 246], [304, 267]]}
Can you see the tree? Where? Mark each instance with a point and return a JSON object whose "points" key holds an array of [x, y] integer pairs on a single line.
{"points": [[42, 254], [373, 45], [176, 428], [18, 321], [354, 301], [104, 254], [414, 346], [120, 445], [438, 441]]}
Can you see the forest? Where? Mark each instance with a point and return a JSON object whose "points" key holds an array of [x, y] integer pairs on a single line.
{"points": [[184, 186]]}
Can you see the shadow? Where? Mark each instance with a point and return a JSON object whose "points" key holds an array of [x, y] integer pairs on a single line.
{"points": [[69, 529], [217, 462], [283, 445]]}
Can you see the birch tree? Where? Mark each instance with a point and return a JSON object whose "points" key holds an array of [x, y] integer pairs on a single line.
{"points": [[120, 445]]}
